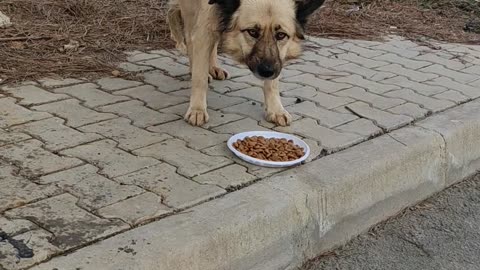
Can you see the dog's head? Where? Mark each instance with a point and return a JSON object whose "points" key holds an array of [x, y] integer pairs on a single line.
{"points": [[264, 34]]}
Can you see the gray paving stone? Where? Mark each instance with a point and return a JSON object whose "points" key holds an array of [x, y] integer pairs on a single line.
{"points": [[196, 137], [70, 225], [152, 98], [315, 149], [319, 84], [434, 58], [363, 43], [33, 95], [139, 114], [323, 61], [362, 61], [368, 53], [174, 152], [48, 82], [136, 210], [167, 65], [114, 84], [128, 136], [228, 177], [319, 72], [13, 114], [429, 103], [17, 191], [455, 75], [324, 41], [452, 95], [287, 72], [327, 118], [322, 99], [475, 70], [55, 135], [250, 109], [467, 90], [75, 114], [371, 98], [164, 83], [329, 139], [141, 56], [475, 83], [417, 76], [16, 226], [8, 137], [133, 67], [176, 191], [425, 89], [369, 74], [363, 127], [410, 109], [408, 53], [93, 190], [33, 160], [401, 42], [90, 95], [243, 125], [405, 62], [385, 120], [38, 241], [256, 94], [371, 86], [111, 160], [226, 86]]}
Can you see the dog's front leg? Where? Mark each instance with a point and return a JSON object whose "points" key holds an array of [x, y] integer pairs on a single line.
{"points": [[274, 111], [202, 44]]}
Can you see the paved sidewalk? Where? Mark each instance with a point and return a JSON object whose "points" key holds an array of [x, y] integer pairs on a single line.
{"points": [[82, 160]]}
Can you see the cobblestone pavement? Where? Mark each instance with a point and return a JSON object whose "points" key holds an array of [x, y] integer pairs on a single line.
{"points": [[84, 160]]}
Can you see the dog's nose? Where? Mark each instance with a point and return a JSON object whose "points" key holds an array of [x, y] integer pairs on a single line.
{"points": [[265, 70]]}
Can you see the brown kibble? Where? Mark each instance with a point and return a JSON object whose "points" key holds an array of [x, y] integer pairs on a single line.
{"points": [[271, 149]]}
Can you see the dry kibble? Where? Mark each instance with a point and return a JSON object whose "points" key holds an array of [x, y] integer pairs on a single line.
{"points": [[271, 149]]}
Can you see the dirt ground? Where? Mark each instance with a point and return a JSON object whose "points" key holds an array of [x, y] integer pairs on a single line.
{"points": [[85, 38]]}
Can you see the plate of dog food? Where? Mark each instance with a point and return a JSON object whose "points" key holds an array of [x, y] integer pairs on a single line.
{"points": [[269, 149]]}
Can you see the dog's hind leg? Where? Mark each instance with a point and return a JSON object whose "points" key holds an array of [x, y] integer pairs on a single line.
{"points": [[215, 71], [175, 23]]}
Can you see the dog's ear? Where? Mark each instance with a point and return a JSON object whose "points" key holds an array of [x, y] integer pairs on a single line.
{"points": [[305, 8], [227, 8]]}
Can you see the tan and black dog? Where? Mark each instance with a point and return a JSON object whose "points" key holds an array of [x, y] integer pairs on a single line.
{"points": [[262, 34]]}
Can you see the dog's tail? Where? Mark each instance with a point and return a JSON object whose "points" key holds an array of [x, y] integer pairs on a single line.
{"points": [[175, 22]]}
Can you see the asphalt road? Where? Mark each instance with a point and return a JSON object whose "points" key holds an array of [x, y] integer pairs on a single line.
{"points": [[441, 233]]}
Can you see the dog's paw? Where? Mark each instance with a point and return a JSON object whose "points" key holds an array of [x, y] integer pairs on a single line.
{"points": [[218, 73], [280, 118], [196, 117]]}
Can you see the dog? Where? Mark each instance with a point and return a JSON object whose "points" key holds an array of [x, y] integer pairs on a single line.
{"points": [[261, 34]]}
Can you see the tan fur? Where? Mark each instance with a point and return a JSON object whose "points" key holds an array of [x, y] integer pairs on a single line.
{"points": [[194, 25]]}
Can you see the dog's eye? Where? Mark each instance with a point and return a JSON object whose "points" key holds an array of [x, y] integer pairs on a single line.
{"points": [[253, 33], [280, 36]]}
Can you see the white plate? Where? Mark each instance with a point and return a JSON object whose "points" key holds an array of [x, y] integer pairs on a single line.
{"points": [[268, 134]]}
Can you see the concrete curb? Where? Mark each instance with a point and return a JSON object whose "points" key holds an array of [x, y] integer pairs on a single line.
{"points": [[280, 222]]}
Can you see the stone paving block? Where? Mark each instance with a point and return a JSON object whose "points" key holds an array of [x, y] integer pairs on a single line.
{"points": [[7, 137], [319, 72], [429, 103], [33, 160], [17, 191], [408, 53], [426, 89], [256, 94], [128, 136], [168, 65], [136, 210], [286, 72], [196, 137], [55, 135], [111, 160], [50, 83], [363, 127], [455, 75], [369, 74], [152, 98], [13, 114], [475, 83], [251, 109], [319, 84], [226, 86], [133, 67], [329, 139], [228, 177], [75, 114], [400, 42], [322, 99], [315, 149], [452, 95], [140, 115], [141, 56], [362, 61], [327, 118], [114, 84], [93, 190], [435, 58], [235, 71], [90, 95], [323, 61], [176, 191], [248, 79], [37, 248], [33, 95], [371, 98], [174, 152], [475, 70], [368, 53], [16, 226], [371, 86], [243, 125], [467, 90], [385, 120], [324, 41], [164, 83], [410, 109], [405, 62], [71, 226], [417, 76], [363, 43]]}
